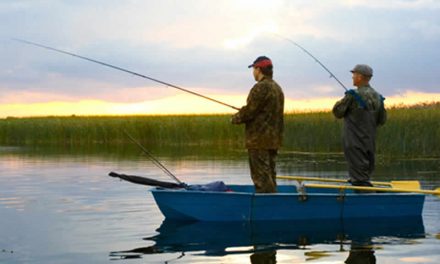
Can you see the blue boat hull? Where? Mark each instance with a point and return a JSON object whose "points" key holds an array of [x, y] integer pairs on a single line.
{"points": [[243, 204]]}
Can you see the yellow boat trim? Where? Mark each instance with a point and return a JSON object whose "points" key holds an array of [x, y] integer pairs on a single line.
{"points": [[377, 189], [414, 185]]}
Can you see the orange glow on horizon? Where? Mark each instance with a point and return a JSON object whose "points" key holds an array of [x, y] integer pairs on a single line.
{"points": [[182, 104]]}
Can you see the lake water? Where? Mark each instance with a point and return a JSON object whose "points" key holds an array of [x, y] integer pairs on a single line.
{"points": [[59, 207]]}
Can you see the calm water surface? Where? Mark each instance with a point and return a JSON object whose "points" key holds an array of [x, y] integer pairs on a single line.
{"points": [[62, 208]]}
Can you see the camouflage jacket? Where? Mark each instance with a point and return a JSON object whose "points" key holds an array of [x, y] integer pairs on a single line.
{"points": [[263, 115], [363, 110]]}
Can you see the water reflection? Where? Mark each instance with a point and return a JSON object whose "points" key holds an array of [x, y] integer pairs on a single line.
{"points": [[63, 201], [262, 239], [361, 253]]}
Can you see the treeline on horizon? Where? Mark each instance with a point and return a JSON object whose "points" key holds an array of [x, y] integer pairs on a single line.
{"points": [[411, 131]]}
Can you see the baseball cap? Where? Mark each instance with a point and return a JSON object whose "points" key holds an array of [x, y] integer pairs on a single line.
{"points": [[363, 69], [261, 62]]}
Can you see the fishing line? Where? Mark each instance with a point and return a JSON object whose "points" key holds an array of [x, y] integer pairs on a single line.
{"points": [[316, 60]]}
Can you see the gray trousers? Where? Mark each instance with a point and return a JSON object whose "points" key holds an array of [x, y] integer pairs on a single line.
{"points": [[360, 165]]}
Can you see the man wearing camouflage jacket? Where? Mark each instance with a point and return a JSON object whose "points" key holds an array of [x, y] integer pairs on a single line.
{"points": [[363, 111], [263, 118]]}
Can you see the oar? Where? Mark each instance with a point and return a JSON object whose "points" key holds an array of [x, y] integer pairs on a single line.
{"points": [[146, 181], [217, 186], [415, 185], [435, 192]]}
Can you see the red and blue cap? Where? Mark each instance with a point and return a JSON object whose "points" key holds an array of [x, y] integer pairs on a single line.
{"points": [[261, 62]]}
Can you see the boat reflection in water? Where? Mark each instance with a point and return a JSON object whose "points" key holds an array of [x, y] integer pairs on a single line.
{"points": [[263, 239]]}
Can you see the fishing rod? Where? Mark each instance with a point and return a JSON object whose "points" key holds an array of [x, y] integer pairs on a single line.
{"points": [[153, 159], [316, 60], [125, 70]]}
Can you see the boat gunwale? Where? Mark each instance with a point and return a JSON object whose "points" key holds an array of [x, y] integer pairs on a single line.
{"points": [[335, 194]]}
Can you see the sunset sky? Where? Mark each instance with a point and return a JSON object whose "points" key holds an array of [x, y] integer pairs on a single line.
{"points": [[205, 46]]}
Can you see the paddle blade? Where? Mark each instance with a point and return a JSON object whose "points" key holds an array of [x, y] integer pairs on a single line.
{"points": [[410, 185], [438, 192]]}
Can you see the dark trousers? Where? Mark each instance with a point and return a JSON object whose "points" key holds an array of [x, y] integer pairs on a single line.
{"points": [[360, 165], [262, 165]]}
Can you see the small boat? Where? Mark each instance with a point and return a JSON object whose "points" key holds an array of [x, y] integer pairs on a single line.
{"points": [[241, 203], [217, 202]]}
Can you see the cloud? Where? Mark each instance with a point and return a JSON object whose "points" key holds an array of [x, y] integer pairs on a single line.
{"points": [[394, 4], [206, 46], [268, 27], [176, 24], [105, 93], [428, 29]]}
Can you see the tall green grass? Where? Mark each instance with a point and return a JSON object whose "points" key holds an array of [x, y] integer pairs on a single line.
{"points": [[202, 130], [410, 131]]}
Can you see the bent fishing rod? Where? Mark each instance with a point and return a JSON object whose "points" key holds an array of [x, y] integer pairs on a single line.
{"points": [[124, 70], [316, 60]]}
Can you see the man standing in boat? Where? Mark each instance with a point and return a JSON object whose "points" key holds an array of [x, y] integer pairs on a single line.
{"points": [[363, 111], [264, 121]]}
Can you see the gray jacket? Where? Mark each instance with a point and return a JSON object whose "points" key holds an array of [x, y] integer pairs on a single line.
{"points": [[363, 111]]}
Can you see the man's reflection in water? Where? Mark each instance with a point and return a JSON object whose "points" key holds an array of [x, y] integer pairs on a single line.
{"points": [[264, 257], [361, 253]]}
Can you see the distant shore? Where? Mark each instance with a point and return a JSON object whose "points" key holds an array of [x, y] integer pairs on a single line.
{"points": [[410, 131]]}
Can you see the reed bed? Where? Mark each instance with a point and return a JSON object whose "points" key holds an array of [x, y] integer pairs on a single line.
{"points": [[410, 131]]}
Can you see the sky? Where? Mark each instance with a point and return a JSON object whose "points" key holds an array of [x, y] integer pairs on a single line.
{"points": [[205, 46]]}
